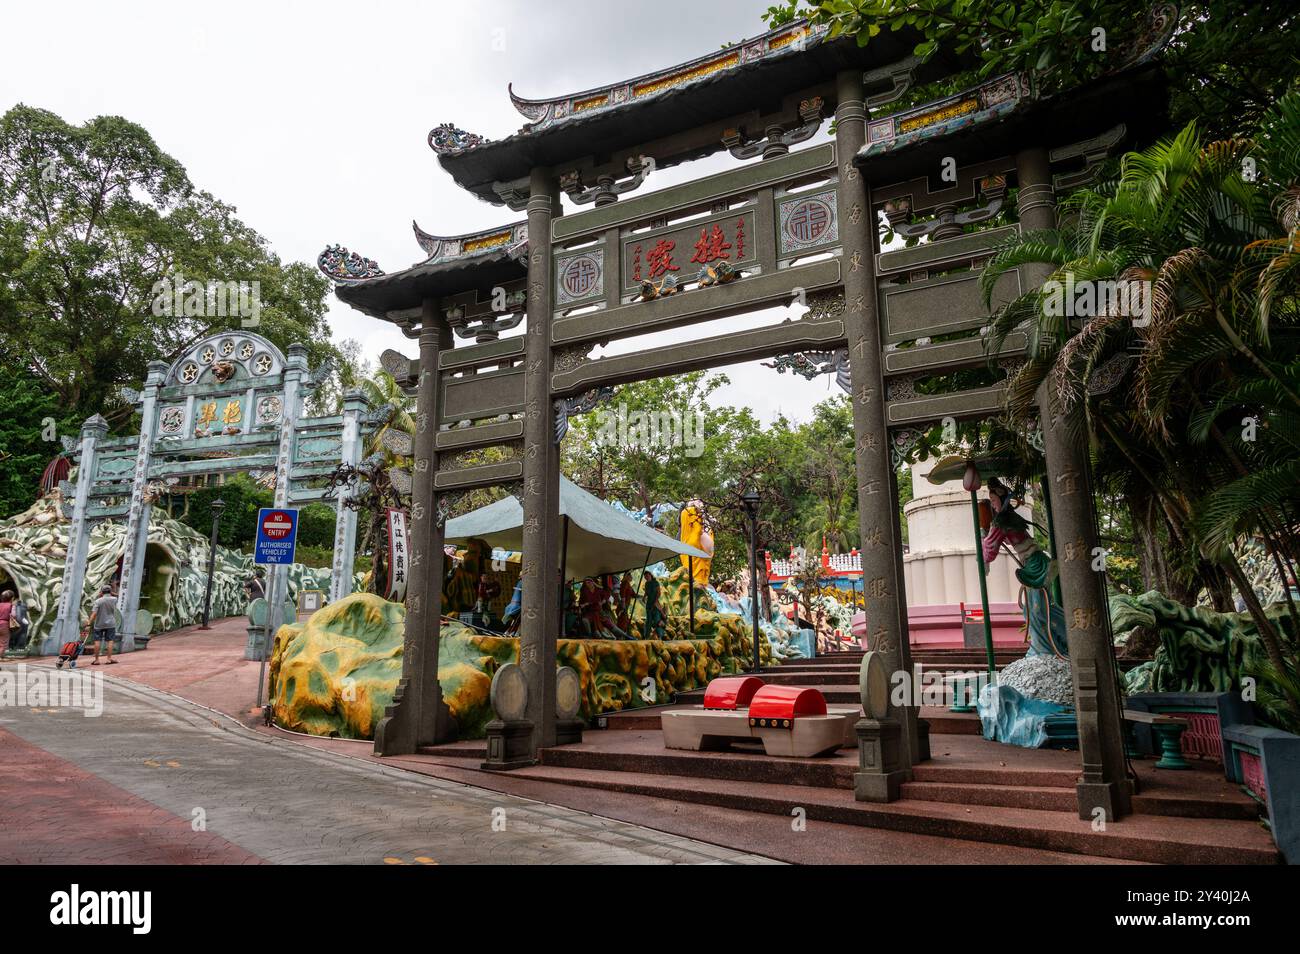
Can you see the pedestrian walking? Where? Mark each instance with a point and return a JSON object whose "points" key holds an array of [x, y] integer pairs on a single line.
{"points": [[103, 622], [7, 624], [19, 621]]}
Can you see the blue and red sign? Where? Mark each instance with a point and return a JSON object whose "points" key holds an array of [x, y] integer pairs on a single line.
{"points": [[277, 535]]}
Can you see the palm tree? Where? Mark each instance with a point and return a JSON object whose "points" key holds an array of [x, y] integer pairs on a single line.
{"points": [[1193, 234]]}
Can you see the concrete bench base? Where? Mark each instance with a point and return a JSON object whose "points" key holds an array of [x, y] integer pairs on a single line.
{"points": [[711, 730]]}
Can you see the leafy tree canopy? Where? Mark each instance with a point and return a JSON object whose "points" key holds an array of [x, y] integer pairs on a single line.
{"points": [[91, 218]]}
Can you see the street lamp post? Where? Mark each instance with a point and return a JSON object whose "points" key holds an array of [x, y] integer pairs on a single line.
{"points": [[218, 505], [750, 500]]}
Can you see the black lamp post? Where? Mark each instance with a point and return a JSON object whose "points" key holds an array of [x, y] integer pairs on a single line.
{"points": [[218, 505], [750, 500]]}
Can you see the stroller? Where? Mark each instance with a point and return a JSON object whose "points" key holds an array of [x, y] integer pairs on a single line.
{"points": [[71, 650]]}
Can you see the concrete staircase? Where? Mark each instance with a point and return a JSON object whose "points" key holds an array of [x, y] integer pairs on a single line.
{"points": [[971, 790]]}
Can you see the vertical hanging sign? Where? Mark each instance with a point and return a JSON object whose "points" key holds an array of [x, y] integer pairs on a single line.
{"points": [[399, 549]]}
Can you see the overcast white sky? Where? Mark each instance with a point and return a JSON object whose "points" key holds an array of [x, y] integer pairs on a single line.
{"points": [[312, 118]]}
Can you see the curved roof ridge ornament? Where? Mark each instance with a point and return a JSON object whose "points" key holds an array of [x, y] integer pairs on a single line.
{"points": [[1162, 20], [441, 248], [337, 263], [794, 37], [450, 138], [430, 243]]}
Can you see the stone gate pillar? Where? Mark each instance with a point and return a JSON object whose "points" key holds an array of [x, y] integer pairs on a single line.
{"points": [[277, 588], [1096, 693], [137, 525], [418, 716], [67, 624], [881, 552], [541, 491], [345, 528]]}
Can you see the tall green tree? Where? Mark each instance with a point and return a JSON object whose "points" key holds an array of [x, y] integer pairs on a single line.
{"points": [[92, 218]]}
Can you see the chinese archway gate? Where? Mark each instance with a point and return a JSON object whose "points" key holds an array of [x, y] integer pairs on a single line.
{"points": [[785, 223], [231, 403]]}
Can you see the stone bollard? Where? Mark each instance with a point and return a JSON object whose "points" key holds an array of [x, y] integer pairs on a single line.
{"points": [[881, 773], [509, 735]]}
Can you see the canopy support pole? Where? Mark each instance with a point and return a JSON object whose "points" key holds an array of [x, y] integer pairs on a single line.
{"points": [[564, 563]]}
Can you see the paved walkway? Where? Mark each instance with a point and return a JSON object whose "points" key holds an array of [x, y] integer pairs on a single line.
{"points": [[209, 668], [155, 779]]}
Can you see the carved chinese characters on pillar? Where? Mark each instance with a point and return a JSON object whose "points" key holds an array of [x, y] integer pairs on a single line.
{"points": [[868, 442], [1084, 618], [877, 588], [1068, 482], [873, 538]]}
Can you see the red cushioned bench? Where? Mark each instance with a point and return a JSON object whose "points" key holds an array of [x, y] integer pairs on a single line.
{"points": [[788, 720]]}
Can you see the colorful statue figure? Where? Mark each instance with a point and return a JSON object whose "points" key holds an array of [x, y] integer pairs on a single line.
{"points": [[589, 614], [656, 625], [514, 609], [488, 590], [626, 594], [608, 615], [571, 627], [460, 589], [695, 533], [1044, 617]]}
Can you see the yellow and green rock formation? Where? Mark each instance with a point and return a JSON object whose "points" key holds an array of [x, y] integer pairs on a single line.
{"points": [[335, 673]]}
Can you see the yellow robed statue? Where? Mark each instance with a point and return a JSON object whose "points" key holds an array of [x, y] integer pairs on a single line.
{"points": [[695, 533]]}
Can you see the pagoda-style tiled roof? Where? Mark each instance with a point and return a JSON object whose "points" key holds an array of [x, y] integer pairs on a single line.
{"points": [[454, 264], [626, 114]]}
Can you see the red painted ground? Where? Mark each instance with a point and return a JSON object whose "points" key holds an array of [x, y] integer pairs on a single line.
{"points": [[71, 816]]}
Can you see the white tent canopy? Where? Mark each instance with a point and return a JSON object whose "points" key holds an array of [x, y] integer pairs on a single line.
{"points": [[600, 539]]}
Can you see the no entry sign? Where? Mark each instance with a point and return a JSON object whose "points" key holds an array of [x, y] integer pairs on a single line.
{"points": [[277, 535]]}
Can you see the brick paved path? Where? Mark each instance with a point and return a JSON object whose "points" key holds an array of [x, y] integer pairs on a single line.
{"points": [[127, 786]]}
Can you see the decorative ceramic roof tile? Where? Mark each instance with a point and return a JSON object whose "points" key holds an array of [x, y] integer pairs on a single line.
{"points": [[448, 138], [344, 266], [792, 38]]}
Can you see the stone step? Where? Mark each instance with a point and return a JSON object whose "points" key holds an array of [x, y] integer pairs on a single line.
{"points": [[1056, 798], [1150, 838], [1041, 798], [942, 721]]}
